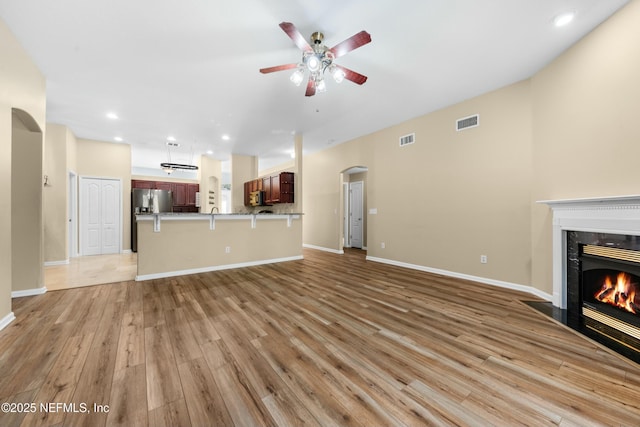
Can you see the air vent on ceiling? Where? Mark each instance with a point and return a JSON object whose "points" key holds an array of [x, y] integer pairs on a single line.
{"points": [[407, 139], [173, 144], [468, 122]]}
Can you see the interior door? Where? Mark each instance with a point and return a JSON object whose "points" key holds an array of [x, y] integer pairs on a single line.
{"points": [[100, 216], [110, 216], [73, 215], [355, 213], [345, 215]]}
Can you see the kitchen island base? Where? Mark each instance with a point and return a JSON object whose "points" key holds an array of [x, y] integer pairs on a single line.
{"points": [[179, 244]]}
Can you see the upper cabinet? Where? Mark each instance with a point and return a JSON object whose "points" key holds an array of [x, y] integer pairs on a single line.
{"points": [[282, 188], [138, 183], [184, 194], [277, 188]]}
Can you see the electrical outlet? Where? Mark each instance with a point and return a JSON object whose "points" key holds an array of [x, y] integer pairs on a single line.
{"points": [[483, 259], [227, 250], [382, 245]]}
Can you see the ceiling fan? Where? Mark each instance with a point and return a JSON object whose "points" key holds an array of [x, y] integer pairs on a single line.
{"points": [[318, 58]]}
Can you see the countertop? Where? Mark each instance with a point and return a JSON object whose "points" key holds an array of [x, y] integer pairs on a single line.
{"points": [[205, 214]]}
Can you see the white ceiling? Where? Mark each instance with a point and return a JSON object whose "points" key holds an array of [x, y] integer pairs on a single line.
{"points": [[189, 68]]}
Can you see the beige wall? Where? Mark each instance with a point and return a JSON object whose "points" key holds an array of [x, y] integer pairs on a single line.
{"points": [[322, 189], [443, 201], [55, 194], [243, 169], [210, 181], [59, 160], [26, 208], [22, 86], [98, 159], [586, 138]]}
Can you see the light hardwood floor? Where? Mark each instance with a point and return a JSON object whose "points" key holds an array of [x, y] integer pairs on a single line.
{"points": [[326, 341]]}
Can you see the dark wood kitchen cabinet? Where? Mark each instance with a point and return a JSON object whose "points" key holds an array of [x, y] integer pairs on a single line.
{"points": [[247, 191], [184, 194], [266, 187], [192, 190], [282, 188], [161, 185], [277, 188], [179, 194], [139, 183]]}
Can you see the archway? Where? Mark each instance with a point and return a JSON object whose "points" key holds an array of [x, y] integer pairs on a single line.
{"points": [[27, 257], [353, 226]]}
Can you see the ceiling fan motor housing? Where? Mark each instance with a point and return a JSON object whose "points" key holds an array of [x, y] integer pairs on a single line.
{"points": [[317, 37]]}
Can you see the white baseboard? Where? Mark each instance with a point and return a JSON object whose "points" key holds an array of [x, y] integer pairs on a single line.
{"points": [[52, 263], [127, 251], [321, 248], [6, 320], [215, 268], [492, 282], [28, 292]]}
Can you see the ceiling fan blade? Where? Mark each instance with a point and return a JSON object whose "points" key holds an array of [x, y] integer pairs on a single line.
{"points": [[311, 88], [351, 75], [351, 43], [295, 35], [278, 68]]}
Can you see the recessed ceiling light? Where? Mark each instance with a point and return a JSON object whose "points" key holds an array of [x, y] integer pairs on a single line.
{"points": [[209, 152], [112, 116], [171, 138], [226, 137], [563, 19], [118, 138]]}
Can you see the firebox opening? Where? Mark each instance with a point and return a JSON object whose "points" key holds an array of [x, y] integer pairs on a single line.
{"points": [[612, 288], [610, 292]]}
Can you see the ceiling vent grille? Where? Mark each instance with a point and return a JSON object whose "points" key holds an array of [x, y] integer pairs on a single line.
{"points": [[173, 144], [468, 122], [407, 139]]}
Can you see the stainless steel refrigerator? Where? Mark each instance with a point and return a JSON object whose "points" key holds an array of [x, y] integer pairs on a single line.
{"points": [[146, 202]]}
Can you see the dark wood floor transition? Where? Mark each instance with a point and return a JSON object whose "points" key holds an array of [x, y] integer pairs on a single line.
{"points": [[328, 340]]}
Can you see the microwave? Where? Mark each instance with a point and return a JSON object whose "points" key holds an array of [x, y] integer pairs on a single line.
{"points": [[256, 198]]}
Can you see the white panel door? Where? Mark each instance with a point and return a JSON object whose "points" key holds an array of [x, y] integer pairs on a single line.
{"points": [[99, 216], [110, 216], [355, 214]]}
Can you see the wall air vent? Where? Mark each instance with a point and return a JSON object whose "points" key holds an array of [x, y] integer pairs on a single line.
{"points": [[407, 139], [468, 122]]}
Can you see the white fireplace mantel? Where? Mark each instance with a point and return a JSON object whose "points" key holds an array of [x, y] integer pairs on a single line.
{"points": [[616, 215]]}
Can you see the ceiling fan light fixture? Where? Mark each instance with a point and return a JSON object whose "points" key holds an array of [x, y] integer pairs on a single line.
{"points": [[297, 76], [313, 63], [321, 85], [338, 75], [318, 59]]}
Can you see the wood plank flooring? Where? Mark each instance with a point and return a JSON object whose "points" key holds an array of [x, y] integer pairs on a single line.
{"points": [[326, 341]]}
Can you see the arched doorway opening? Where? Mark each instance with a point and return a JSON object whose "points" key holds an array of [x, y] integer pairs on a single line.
{"points": [[27, 257], [353, 227]]}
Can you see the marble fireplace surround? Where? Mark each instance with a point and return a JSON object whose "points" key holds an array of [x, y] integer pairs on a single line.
{"points": [[615, 215]]}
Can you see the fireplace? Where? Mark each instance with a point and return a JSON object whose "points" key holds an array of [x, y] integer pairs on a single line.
{"points": [[596, 269], [610, 292]]}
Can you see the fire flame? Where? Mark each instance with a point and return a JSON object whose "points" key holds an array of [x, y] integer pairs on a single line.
{"points": [[622, 294]]}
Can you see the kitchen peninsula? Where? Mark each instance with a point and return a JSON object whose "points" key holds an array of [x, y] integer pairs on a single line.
{"points": [[173, 244]]}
